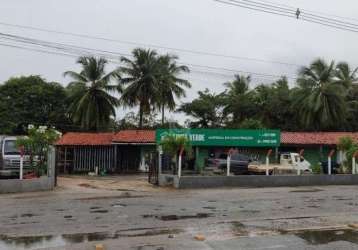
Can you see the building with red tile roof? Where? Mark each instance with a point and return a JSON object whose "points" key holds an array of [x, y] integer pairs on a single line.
{"points": [[315, 138], [86, 139], [128, 150], [134, 137]]}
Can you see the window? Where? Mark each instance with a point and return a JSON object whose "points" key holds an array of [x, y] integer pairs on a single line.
{"points": [[239, 157], [10, 148], [223, 156]]}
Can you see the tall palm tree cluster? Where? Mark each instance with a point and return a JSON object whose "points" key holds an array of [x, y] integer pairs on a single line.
{"points": [[146, 80], [324, 97], [322, 93]]}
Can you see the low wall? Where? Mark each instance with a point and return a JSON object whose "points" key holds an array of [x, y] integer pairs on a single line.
{"points": [[17, 186], [262, 181], [44, 183]]}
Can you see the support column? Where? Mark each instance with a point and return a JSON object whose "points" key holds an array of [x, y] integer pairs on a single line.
{"points": [[228, 164], [198, 168], [142, 160], [160, 153], [179, 166], [65, 164]]}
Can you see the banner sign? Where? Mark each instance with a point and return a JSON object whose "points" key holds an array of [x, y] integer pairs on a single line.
{"points": [[225, 137]]}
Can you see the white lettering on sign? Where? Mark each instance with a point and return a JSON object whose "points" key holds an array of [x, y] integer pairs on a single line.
{"points": [[267, 141], [269, 135], [197, 137], [191, 137]]}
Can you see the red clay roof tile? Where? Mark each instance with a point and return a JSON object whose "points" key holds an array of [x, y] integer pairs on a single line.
{"points": [[85, 139], [314, 138], [148, 136], [135, 136]]}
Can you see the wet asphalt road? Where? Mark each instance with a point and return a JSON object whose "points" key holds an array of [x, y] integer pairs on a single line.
{"points": [[271, 218]]}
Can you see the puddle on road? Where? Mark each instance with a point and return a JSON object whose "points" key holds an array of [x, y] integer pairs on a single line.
{"points": [[48, 241], [86, 185], [210, 208], [150, 232], [95, 208], [99, 211], [150, 247], [118, 205], [173, 217], [319, 237], [124, 196], [312, 190]]}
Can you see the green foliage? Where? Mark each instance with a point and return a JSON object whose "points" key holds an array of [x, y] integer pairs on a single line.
{"points": [[37, 144], [140, 76], [170, 86], [345, 143], [350, 153], [324, 98], [172, 144], [316, 169], [31, 99], [152, 82], [251, 123], [320, 99], [92, 105], [208, 110]]}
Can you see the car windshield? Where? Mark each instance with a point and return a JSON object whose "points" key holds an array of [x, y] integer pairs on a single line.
{"points": [[223, 156], [240, 157], [10, 148]]}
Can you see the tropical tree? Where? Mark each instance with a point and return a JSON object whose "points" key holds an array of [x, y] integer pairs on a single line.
{"points": [[239, 86], [208, 110], [346, 76], [141, 75], [273, 103], [319, 99], [92, 104], [32, 99], [251, 123], [239, 100], [170, 85], [172, 145]]}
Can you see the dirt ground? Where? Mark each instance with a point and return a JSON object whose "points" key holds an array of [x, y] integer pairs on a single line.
{"points": [[128, 213], [136, 183]]}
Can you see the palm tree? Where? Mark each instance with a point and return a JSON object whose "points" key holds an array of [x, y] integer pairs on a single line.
{"points": [[319, 98], [141, 74], [345, 75], [239, 101], [91, 105], [170, 85], [240, 85]]}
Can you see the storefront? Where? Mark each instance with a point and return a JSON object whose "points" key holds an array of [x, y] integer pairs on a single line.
{"points": [[210, 143]]}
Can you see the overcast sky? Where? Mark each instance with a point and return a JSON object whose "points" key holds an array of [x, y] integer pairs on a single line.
{"points": [[202, 25]]}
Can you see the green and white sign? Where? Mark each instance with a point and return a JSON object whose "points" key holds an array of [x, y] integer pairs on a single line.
{"points": [[225, 137]]}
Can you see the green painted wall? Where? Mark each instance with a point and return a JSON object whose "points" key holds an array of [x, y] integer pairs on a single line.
{"points": [[200, 161]]}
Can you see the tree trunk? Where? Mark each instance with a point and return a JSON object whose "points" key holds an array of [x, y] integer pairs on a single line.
{"points": [[162, 115], [140, 116]]}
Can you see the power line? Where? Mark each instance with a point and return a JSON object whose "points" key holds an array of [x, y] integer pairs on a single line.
{"points": [[243, 5], [293, 10], [190, 51], [312, 11], [111, 55], [302, 14]]}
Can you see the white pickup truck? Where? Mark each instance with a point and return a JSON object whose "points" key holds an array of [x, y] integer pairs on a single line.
{"points": [[10, 157], [289, 163]]}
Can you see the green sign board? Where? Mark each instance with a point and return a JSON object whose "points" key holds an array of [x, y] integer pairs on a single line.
{"points": [[225, 137]]}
